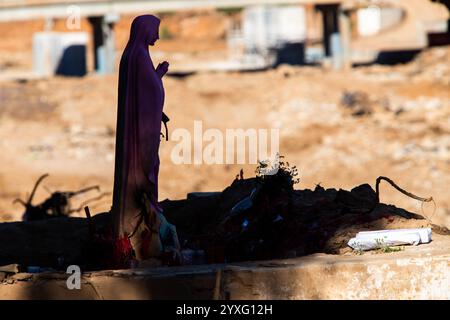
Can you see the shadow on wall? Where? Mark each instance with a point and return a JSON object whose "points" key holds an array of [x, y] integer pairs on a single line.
{"points": [[73, 62], [395, 57], [291, 53], [391, 58]]}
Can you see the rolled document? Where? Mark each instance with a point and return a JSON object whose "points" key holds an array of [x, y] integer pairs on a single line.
{"points": [[368, 240]]}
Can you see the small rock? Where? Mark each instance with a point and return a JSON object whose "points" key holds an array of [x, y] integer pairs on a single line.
{"points": [[21, 277], [10, 268], [360, 199], [357, 102]]}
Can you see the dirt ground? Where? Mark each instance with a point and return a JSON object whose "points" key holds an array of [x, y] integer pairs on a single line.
{"points": [[65, 127]]}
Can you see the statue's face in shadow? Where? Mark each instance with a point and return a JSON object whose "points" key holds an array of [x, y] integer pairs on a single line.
{"points": [[154, 38]]}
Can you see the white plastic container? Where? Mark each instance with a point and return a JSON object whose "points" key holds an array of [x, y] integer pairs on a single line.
{"points": [[368, 240]]}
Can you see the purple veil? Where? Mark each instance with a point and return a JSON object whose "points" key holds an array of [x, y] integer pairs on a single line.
{"points": [[140, 105]]}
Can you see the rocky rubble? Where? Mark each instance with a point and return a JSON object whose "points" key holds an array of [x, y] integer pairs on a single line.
{"points": [[281, 222], [429, 66], [278, 222]]}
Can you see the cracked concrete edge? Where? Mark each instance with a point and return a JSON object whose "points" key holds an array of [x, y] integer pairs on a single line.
{"points": [[421, 272]]}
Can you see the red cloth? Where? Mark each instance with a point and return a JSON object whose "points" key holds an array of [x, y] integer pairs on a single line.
{"points": [[122, 253]]}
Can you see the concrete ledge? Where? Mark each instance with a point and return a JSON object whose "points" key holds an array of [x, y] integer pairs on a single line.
{"points": [[421, 272]]}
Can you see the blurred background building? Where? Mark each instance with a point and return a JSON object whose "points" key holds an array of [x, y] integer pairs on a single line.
{"points": [[260, 33]]}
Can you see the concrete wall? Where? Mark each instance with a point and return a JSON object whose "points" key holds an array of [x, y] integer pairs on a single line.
{"points": [[60, 53], [421, 272], [373, 19], [264, 27]]}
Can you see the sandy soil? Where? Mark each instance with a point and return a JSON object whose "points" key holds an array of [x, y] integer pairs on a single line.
{"points": [[66, 127]]}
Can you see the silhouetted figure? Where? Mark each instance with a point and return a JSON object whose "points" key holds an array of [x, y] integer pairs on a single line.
{"points": [[140, 110]]}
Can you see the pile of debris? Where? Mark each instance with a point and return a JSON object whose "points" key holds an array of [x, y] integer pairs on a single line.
{"points": [[357, 102], [431, 65], [259, 218], [265, 218], [57, 205]]}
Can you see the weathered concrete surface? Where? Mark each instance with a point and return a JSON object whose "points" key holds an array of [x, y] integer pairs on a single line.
{"points": [[421, 272]]}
